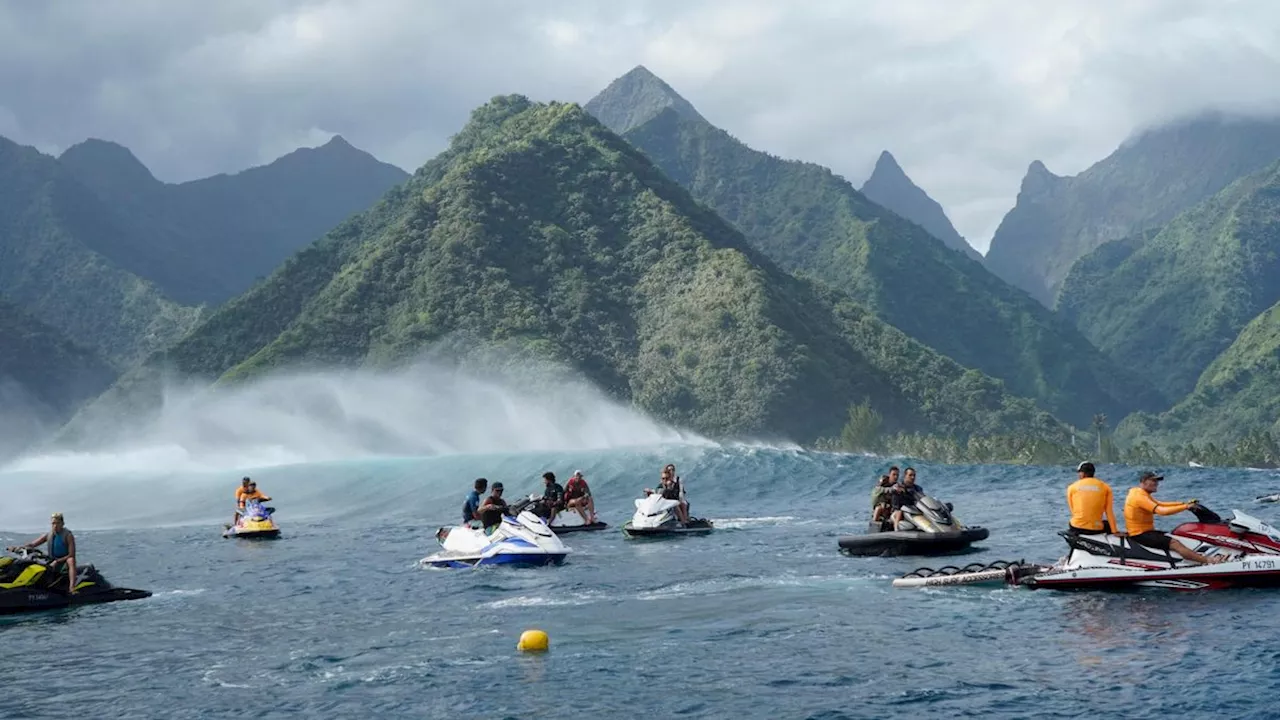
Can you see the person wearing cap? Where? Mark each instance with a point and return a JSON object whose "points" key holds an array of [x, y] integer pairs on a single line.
{"points": [[577, 496], [471, 505], [1140, 510], [1089, 500], [492, 509], [61, 548]]}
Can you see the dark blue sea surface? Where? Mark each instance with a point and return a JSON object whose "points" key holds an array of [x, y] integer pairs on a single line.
{"points": [[762, 619]]}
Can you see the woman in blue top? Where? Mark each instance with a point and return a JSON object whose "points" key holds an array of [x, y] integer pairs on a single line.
{"points": [[62, 548]]}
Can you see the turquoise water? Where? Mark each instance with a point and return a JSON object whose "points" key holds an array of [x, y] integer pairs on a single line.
{"points": [[762, 619]]}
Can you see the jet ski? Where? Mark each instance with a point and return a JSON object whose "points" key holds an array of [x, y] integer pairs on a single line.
{"points": [[255, 523], [28, 585], [927, 528], [1268, 498], [521, 540], [655, 516], [566, 521], [1110, 561]]}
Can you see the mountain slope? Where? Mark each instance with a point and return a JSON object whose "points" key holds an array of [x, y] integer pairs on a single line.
{"points": [[807, 219], [52, 230], [1239, 392], [542, 233], [1172, 301], [890, 187], [206, 240], [1142, 185], [55, 372]]}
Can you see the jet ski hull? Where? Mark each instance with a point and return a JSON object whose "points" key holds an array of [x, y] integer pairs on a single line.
{"points": [[909, 542], [1249, 572], [589, 527], [446, 560], [35, 600], [696, 526], [259, 534]]}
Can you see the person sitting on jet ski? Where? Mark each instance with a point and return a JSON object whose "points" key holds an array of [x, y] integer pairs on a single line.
{"points": [[552, 496], [1140, 510], [577, 496], [905, 494], [472, 503], [1089, 499], [492, 509], [881, 503], [240, 493], [672, 489], [62, 548]]}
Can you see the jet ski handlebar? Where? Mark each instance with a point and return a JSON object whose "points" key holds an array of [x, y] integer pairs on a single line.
{"points": [[27, 553]]}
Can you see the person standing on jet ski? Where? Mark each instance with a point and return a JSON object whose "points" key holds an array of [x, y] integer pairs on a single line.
{"points": [[577, 496], [62, 548], [552, 496], [1140, 510], [492, 509], [1089, 500], [471, 506]]}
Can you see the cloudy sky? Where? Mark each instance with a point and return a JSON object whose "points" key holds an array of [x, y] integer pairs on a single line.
{"points": [[965, 93]]}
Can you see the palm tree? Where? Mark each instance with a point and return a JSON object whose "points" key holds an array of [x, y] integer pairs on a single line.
{"points": [[1099, 425]]}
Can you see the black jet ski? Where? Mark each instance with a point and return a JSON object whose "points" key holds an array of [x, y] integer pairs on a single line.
{"points": [[926, 528], [28, 585], [566, 521]]}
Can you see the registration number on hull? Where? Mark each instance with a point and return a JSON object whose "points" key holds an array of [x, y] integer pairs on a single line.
{"points": [[1258, 564]]}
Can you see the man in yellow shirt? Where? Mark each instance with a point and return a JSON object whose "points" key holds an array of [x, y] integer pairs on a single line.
{"points": [[1090, 499], [1140, 510]]}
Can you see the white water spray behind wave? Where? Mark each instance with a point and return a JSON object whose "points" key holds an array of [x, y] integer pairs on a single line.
{"points": [[295, 417]]}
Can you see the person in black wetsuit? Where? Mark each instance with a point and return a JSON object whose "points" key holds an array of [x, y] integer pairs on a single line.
{"points": [[492, 509], [905, 494], [552, 496]]}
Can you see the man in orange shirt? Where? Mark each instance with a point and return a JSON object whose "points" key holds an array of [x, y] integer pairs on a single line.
{"points": [[1090, 499], [1140, 510]]}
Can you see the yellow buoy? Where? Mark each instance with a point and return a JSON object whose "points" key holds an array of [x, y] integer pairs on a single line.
{"points": [[533, 641]]}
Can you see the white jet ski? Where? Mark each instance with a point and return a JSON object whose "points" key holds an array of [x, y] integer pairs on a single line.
{"points": [[1252, 549], [522, 540], [655, 516], [566, 521]]}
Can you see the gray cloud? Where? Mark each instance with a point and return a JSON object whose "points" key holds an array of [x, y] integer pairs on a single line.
{"points": [[965, 93]]}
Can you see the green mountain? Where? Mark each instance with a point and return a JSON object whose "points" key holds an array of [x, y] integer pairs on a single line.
{"points": [[53, 371], [1239, 392], [1142, 185], [53, 237], [890, 187], [808, 219], [207, 240], [43, 379], [1171, 301], [541, 233]]}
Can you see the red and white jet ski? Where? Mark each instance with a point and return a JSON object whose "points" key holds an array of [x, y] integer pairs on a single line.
{"points": [[1111, 561]]}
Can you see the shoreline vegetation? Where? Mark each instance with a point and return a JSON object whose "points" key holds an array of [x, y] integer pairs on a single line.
{"points": [[863, 433]]}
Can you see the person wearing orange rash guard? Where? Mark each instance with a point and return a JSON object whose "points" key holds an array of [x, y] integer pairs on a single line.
{"points": [[1090, 499], [1140, 510]]}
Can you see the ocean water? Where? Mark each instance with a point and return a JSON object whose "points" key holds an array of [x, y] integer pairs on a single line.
{"points": [[762, 619]]}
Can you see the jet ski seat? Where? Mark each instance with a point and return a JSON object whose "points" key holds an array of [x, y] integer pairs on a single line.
{"points": [[1125, 549]]}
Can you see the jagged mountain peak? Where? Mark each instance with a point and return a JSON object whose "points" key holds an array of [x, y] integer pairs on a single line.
{"points": [[635, 98]]}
